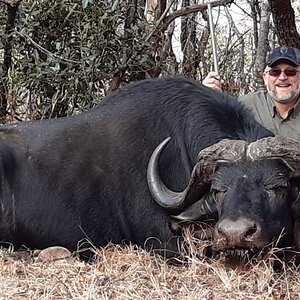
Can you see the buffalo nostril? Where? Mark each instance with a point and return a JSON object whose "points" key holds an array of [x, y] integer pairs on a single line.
{"points": [[237, 233], [251, 231]]}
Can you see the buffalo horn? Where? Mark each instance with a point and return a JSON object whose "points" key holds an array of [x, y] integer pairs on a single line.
{"points": [[226, 149], [200, 178], [162, 195], [276, 147]]}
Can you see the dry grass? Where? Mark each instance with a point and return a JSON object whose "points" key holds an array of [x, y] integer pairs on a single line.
{"points": [[130, 273]]}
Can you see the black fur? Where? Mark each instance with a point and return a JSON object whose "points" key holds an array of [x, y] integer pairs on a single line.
{"points": [[85, 175]]}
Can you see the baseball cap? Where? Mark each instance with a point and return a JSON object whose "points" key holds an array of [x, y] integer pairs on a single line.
{"points": [[284, 53]]}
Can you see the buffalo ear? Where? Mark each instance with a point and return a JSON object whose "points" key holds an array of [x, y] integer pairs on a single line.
{"points": [[202, 210]]}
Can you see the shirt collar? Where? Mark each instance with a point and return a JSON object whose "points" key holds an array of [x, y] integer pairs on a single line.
{"points": [[293, 112]]}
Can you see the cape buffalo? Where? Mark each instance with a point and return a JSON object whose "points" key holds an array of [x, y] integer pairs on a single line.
{"points": [[85, 176]]}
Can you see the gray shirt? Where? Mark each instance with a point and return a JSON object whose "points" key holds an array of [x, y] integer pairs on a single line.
{"points": [[265, 113]]}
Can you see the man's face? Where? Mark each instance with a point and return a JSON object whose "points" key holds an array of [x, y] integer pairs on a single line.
{"points": [[283, 88]]}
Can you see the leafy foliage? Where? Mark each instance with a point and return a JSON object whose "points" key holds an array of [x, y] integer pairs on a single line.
{"points": [[59, 51], [66, 52]]}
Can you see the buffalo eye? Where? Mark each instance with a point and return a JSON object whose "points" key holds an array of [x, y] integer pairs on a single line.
{"points": [[276, 189], [218, 190], [219, 195]]}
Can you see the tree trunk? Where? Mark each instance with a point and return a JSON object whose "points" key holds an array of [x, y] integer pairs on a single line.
{"points": [[188, 42], [12, 9], [202, 44], [262, 45], [285, 24]]}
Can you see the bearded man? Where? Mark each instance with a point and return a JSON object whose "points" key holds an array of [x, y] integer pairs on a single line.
{"points": [[277, 108]]}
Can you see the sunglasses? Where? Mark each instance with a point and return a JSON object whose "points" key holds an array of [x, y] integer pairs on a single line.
{"points": [[287, 72]]}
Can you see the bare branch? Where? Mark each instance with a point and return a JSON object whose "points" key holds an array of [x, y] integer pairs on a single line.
{"points": [[165, 20], [11, 2], [160, 20], [189, 10], [241, 56], [47, 52]]}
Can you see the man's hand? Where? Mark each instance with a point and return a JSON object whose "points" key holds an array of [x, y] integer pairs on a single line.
{"points": [[214, 81]]}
